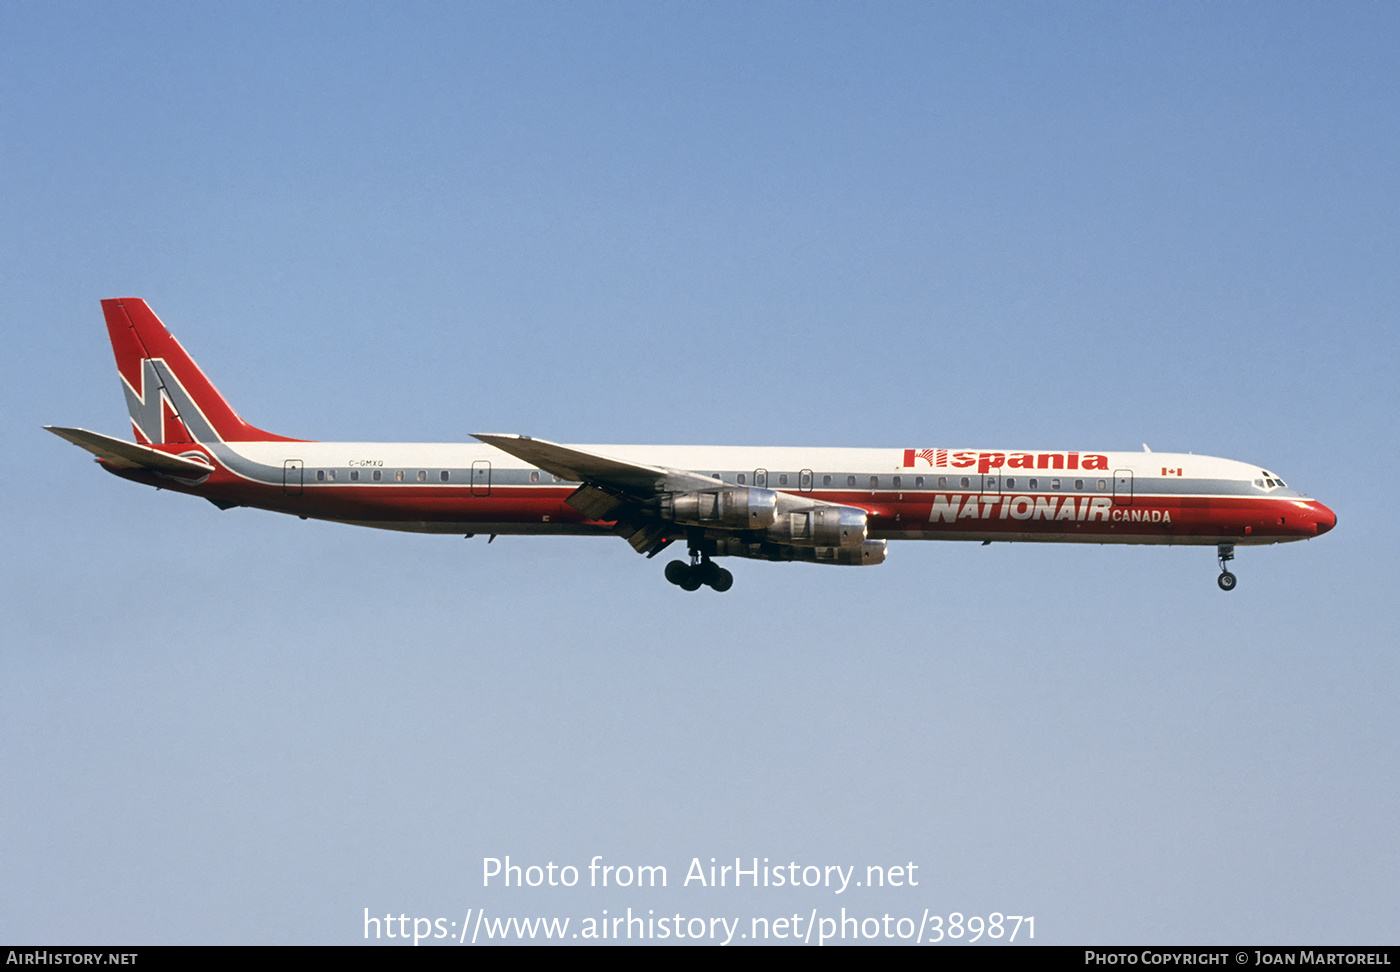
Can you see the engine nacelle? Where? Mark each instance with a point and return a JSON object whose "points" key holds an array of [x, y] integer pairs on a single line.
{"points": [[868, 554], [820, 526], [731, 508]]}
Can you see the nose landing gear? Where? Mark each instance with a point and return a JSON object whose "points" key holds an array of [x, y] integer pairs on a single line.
{"points": [[1225, 553], [699, 572]]}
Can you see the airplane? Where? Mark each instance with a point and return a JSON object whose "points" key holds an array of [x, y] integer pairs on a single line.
{"points": [[837, 506]]}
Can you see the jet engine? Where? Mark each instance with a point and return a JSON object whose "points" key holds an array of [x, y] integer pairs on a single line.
{"points": [[820, 526], [740, 508]]}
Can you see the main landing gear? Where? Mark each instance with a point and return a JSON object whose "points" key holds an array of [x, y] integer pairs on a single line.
{"points": [[1225, 553], [700, 571]]}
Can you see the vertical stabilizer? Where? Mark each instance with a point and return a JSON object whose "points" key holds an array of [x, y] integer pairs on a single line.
{"points": [[169, 398]]}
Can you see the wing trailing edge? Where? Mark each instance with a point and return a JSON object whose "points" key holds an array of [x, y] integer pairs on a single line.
{"points": [[616, 475]]}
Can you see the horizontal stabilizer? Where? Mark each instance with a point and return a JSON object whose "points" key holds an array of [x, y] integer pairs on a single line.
{"points": [[129, 455]]}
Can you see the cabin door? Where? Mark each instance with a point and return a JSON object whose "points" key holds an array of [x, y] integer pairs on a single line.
{"points": [[481, 478], [291, 477], [1122, 487]]}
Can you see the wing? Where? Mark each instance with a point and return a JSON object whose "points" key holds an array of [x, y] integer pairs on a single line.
{"points": [[654, 505], [626, 493], [642, 482], [129, 455]]}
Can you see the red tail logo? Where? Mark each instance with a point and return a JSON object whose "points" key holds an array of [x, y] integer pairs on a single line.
{"points": [[149, 359]]}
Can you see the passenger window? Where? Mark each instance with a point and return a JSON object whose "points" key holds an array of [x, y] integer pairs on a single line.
{"points": [[534, 477], [740, 479], [1011, 483], [422, 475], [377, 475], [918, 482], [897, 481], [964, 483], [1079, 484], [354, 475], [850, 480], [1054, 484], [1103, 484], [330, 474], [942, 482], [782, 479], [874, 482], [1034, 484], [443, 475], [320, 475], [398, 476], [826, 480]]}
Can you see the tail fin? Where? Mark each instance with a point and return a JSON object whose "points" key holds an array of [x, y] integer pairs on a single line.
{"points": [[167, 395]]}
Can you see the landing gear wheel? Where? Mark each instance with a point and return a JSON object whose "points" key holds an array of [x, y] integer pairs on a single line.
{"points": [[1224, 553], [699, 572], [722, 580]]}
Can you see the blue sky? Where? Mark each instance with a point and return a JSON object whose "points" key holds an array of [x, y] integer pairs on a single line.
{"points": [[1081, 226]]}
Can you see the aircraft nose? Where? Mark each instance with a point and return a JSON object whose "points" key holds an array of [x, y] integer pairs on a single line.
{"points": [[1323, 519]]}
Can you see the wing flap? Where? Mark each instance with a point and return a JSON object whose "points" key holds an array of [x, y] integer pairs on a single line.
{"points": [[598, 504], [129, 455]]}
